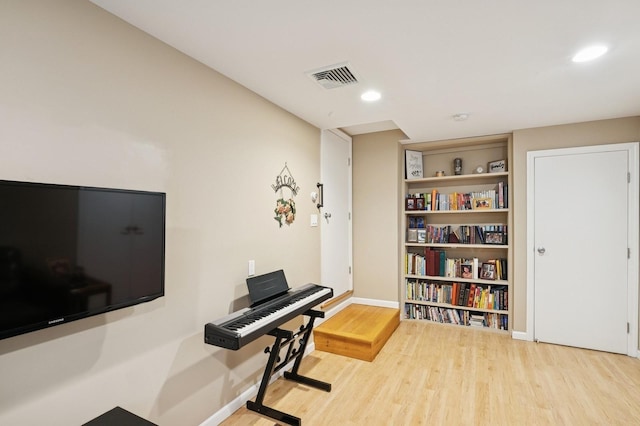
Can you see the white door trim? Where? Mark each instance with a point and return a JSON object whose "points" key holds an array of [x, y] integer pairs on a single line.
{"points": [[348, 140], [633, 225]]}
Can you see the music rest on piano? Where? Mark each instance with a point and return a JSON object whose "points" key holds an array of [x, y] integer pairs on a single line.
{"points": [[244, 326]]}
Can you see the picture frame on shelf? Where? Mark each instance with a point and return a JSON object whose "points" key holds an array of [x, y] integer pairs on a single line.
{"points": [[419, 203], [482, 203], [412, 235], [494, 237], [488, 271], [410, 204], [413, 164], [497, 166], [466, 270], [422, 235]]}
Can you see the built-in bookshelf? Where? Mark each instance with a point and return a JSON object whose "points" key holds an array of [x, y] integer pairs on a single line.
{"points": [[456, 249]]}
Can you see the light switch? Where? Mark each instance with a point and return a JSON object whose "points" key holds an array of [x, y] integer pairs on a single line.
{"points": [[314, 220]]}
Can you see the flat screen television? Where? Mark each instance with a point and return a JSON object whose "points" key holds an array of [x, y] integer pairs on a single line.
{"points": [[70, 252]]}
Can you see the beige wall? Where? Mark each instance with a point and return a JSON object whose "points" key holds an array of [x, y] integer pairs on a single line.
{"points": [[570, 135], [87, 99], [377, 162], [376, 176]]}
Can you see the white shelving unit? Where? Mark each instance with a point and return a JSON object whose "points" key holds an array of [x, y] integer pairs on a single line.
{"points": [[429, 297]]}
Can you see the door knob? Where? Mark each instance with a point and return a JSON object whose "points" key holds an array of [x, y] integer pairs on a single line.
{"points": [[327, 215], [541, 250]]}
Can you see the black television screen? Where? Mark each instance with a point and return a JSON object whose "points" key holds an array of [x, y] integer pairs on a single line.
{"points": [[69, 252]]}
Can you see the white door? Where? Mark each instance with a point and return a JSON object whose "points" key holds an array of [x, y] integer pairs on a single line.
{"points": [[583, 278], [335, 215]]}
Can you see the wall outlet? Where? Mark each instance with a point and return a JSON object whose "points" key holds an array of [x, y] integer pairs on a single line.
{"points": [[252, 267]]}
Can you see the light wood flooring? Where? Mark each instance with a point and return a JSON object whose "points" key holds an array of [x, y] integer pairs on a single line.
{"points": [[428, 374]]}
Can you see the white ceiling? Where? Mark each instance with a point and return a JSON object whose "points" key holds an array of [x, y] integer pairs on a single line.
{"points": [[507, 63]]}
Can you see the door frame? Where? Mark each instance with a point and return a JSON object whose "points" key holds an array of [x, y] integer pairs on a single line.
{"points": [[324, 230], [632, 227]]}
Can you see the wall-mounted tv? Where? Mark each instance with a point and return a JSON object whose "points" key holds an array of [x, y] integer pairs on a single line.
{"points": [[69, 252]]}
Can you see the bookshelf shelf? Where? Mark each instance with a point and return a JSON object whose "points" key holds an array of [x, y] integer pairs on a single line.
{"points": [[458, 279], [460, 246], [449, 306], [455, 224], [441, 324], [459, 179], [429, 212]]}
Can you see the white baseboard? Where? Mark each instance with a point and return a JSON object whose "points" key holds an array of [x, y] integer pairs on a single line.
{"points": [[375, 302], [226, 411], [520, 335], [239, 402]]}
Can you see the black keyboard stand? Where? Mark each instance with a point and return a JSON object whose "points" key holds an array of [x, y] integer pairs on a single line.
{"points": [[275, 364]]}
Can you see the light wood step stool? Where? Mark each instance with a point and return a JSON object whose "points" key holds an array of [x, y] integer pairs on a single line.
{"points": [[357, 331]]}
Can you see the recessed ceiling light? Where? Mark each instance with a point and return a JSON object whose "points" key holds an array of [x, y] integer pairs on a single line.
{"points": [[370, 96], [590, 53]]}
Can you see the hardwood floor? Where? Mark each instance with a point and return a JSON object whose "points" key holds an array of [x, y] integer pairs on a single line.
{"points": [[428, 374]]}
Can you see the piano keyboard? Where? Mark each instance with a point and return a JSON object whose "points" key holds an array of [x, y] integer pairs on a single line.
{"points": [[244, 326]]}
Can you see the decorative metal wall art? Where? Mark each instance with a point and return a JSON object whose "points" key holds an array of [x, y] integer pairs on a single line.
{"points": [[285, 206]]}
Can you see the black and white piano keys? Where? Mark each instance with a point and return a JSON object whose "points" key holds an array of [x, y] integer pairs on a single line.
{"points": [[242, 327]]}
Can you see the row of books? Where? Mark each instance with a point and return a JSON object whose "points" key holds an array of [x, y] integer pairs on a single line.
{"points": [[434, 263], [457, 316], [491, 269], [418, 232], [436, 201], [470, 295]]}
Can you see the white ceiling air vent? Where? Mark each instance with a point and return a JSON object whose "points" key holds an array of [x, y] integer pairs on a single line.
{"points": [[333, 76]]}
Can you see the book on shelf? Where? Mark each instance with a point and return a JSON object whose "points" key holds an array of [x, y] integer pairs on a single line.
{"points": [[437, 201], [467, 290], [470, 268], [506, 195], [415, 264], [466, 234], [461, 294], [468, 295], [476, 320], [456, 316], [476, 266], [471, 296], [500, 195], [433, 266]]}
